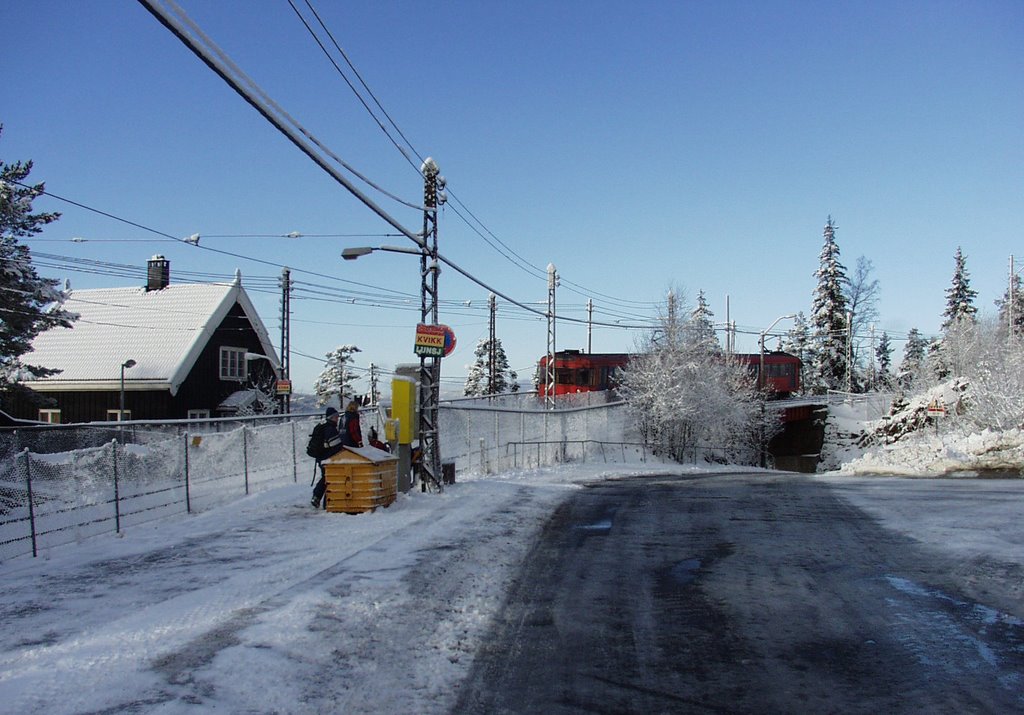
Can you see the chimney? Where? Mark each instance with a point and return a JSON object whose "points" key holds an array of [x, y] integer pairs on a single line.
{"points": [[158, 273]]}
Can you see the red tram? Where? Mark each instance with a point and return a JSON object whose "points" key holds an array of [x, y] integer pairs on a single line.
{"points": [[576, 371]]}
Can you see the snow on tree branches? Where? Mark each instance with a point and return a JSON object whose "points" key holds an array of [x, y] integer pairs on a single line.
{"points": [[959, 296], [28, 304], [685, 395], [480, 381], [337, 377], [828, 370]]}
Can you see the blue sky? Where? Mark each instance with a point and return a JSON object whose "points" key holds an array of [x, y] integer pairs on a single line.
{"points": [[638, 147]]}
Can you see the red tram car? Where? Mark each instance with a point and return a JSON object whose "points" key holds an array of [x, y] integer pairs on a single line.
{"points": [[577, 371]]}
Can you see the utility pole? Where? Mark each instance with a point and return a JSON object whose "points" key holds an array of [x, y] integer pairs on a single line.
{"points": [[286, 313], [849, 351], [373, 385], [549, 368], [492, 353], [590, 324], [1009, 305], [871, 359], [430, 368]]}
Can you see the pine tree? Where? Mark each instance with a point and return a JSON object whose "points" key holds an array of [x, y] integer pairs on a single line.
{"points": [[1011, 307], [701, 326], [829, 318], [336, 378], [959, 296], [28, 304], [913, 359], [883, 354], [479, 380]]}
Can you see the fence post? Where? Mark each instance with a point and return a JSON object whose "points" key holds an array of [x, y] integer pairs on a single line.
{"points": [[188, 496], [245, 457], [295, 454], [483, 458], [31, 506], [117, 491]]}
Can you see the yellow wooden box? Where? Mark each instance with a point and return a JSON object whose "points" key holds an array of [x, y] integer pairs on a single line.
{"points": [[360, 479]]}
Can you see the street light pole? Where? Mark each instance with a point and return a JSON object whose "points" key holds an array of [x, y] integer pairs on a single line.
{"points": [[120, 411], [430, 368]]}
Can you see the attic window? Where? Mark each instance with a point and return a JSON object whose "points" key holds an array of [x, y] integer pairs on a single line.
{"points": [[232, 364]]}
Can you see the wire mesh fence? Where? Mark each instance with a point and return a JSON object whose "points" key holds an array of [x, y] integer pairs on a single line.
{"points": [[62, 485], [146, 472]]}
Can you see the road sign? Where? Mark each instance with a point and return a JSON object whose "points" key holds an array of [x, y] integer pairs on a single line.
{"points": [[284, 387], [936, 409], [434, 340]]}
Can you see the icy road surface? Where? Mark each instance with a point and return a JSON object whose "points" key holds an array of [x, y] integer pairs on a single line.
{"points": [[268, 606]]}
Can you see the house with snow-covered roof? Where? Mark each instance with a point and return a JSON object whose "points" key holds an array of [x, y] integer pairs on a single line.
{"points": [[183, 351]]}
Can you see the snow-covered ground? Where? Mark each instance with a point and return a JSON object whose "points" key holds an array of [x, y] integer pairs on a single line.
{"points": [[267, 605]]}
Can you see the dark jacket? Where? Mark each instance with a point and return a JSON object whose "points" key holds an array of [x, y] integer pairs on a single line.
{"points": [[332, 439]]}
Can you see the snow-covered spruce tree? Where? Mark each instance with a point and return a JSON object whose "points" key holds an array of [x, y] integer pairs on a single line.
{"points": [[798, 343], [828, 318], [684, 395], [479, 380], [912, 366], [28, 304], [701, 325], [959, 296], [337, 378], [883, 355], [1011, 307]]}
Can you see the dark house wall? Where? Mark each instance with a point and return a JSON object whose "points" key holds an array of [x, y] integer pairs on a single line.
{"points": [[202, 389]]}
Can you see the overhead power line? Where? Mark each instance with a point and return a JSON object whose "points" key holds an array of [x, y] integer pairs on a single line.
{"points": [[481, 229]]}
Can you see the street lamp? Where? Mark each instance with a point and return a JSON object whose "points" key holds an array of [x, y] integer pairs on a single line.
{"points": [[351, 254], [124, 365], [760, 371]]}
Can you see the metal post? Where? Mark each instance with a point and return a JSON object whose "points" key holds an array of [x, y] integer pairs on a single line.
{"points": [[188, 496], [549, 371], [295, 461], [430, 368], [245, 457], [117, 491], [31, 506], [286, 292], [492, 351]]}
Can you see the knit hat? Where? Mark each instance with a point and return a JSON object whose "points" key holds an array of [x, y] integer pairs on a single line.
{"points": [[330, 411]]}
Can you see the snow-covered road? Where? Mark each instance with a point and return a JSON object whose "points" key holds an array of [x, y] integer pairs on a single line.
{"points": [[269, 606]]}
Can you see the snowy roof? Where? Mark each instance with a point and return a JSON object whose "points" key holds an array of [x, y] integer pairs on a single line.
{"points": [[164, 331]]}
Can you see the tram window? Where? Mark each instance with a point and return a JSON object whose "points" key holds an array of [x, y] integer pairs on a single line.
{"points": [[583, 377], [563, 376]]}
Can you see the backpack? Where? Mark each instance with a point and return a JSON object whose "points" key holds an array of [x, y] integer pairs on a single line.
{"points": [[315, 446]]}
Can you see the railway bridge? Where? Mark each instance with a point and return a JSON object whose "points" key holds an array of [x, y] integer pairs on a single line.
{"points": [[797, 448]]}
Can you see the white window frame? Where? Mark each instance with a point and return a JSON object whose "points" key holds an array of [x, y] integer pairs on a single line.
{"points": [[112, 415], [233, 365], [199, 414], [50, 416]]}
